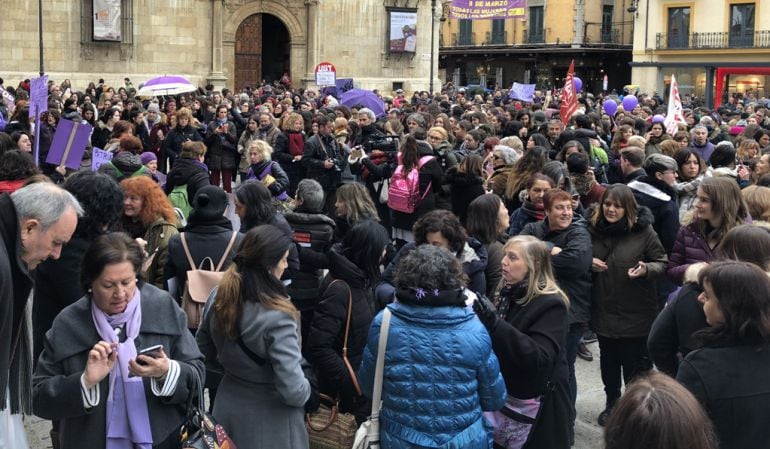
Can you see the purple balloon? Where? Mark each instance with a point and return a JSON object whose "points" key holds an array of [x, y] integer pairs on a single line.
{"points": [[578, 84], [610, 107], [658, 118], [630, 102]]}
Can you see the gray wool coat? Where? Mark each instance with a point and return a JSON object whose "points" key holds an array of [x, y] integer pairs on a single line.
{"points": [[56, 382], [261, 406]]}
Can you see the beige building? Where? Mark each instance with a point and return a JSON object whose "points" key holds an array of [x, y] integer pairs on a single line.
{"points": [[694, 40], [538, 48], [229, 43]]}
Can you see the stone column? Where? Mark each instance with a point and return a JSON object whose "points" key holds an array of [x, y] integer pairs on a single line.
{"points": [[312, 52], [216, 76]]}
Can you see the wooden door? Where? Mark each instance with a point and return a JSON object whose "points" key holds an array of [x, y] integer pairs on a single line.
{"points": [[248, 53]]}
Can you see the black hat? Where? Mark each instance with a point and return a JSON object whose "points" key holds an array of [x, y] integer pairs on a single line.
{"points": [[209, 204]]}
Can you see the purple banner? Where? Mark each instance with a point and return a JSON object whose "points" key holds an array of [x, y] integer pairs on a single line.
{"points": [[69, 144], [523, 92], [99, 157], [487, 9], [38, 96]]}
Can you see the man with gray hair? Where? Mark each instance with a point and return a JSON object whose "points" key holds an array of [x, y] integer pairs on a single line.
{"points": [[35, 223], [700, 142], [367, 131], [313, 232]]}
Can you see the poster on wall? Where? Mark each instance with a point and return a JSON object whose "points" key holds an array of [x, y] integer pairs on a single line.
{"points": [[487, 9], [107, 20], [402, 37]]}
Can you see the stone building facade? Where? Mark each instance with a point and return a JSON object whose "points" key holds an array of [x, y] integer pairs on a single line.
{"points": [[224, 42]]}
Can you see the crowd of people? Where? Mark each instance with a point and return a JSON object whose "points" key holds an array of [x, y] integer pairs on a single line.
{"points": [[500, 237]]}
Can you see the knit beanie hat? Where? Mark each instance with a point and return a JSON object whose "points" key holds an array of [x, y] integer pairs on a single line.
{"points": [[209, 204], [147, 157]]}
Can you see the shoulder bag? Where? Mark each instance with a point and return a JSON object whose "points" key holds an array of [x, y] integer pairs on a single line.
{"points": [[368, 435], [200, 282], [200, 430], [326, 427]]}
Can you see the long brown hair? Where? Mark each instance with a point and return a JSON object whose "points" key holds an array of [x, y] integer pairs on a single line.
{"points": [[250, 278], [726, 202], [623, 196]]}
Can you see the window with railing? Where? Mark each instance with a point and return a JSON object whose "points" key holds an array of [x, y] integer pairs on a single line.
{"points": [[498, 31], [742, 24], [607, 30], [465, 36], [678, 27], [535, 34]]}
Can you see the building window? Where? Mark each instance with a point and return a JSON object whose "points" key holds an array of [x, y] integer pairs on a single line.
{"points": [[126, 22], [678, 27], [535, 34], [498, 31], [742, 25], [607, 36], [466, 32]]}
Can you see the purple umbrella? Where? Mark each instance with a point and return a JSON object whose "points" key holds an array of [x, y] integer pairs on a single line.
{"points": [[165, 85], [366, 98]]}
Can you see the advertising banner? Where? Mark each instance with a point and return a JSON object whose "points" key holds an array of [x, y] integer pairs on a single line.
{"points": [[487, 9]]}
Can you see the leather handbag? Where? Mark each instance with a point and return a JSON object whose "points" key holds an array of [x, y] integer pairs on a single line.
{"points": [[327, 428], [368, 435], [201, 430], [200, 282]]}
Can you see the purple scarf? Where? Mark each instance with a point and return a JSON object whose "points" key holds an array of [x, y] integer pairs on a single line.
{"points": [[128, 421]]}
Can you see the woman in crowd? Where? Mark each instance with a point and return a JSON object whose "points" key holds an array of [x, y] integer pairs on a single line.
{"points": [[221, 142], [265, 170], [758, 202], [345, 310], [122, 128], [672, 336], [719, 207], [459, 359], [107, 121], [728, 373], [691, 173], [748, 149], [655, 136], [528, 326], [659, 412], [532, 209], [95, 383], [289, 148], [250, 134], [530, 163], [627, 257], [487, 222], [173, 145], [22, 141], [441, 228], [149, 216], [431, 177], [15, 168], [502, 160], [250, 333], [466, 183], [353, 205]]}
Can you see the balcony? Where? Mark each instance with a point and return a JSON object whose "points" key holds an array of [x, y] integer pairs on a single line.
{"points": [[535, 37], [464, 39], [497, 38], [717, 40], [610, 36]]}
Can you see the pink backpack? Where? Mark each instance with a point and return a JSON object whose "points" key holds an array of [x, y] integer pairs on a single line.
{"points": [[404, 190]]}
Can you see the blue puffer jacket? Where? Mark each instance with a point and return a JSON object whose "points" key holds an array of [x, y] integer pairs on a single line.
{"points": [[440, 374]]}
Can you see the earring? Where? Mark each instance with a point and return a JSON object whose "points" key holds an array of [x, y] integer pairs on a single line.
{"points": [[89, 290]]}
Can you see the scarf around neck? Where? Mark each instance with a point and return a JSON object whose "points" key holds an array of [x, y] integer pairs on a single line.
{"points": [[612, 229], [128, 420], [296, 144], [536, 211], [508, 295]]}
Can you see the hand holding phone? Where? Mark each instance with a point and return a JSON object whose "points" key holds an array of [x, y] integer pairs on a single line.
{"points": [[152, 351]]}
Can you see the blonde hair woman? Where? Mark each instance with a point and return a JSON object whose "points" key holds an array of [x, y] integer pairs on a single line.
{"points": [[353, 204], [528, 326], [264, 169]]}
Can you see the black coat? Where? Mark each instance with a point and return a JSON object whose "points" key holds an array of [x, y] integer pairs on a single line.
{"points": [[313, 233], [222, 147], [316, 152], [572, 266], [328, 331], [530, 346], [204, 240], [187, 172], [465, 188], [731, 383], [172, 145], [672, 330], [662, 202]]}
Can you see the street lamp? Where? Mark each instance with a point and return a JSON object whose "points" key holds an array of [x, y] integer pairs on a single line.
{"points": [[432, 41]]}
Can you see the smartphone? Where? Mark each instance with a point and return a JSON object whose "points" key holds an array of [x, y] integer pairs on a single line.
{"points": [[152, 351], [638, 266], [357, 153]]}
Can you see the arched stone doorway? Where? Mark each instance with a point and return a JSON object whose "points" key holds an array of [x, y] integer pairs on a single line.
{"points": [[262, 50]]}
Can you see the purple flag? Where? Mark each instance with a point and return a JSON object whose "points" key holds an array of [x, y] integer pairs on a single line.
{"points": [[9, 100], [69, 144], [524, 92], [38, 96], [494, 9], [99, 157]]}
